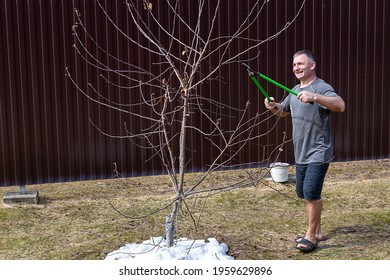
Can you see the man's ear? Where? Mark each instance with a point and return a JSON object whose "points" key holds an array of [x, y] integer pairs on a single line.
{"points": [[313, 66]]}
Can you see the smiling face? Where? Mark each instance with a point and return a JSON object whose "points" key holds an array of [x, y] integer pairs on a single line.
{"points": [[304, 68]]}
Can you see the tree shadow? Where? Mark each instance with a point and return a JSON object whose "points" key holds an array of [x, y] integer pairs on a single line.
{"points": [[357, 235]]}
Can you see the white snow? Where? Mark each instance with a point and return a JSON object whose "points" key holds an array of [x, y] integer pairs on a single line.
{"points": [[184, 249]]}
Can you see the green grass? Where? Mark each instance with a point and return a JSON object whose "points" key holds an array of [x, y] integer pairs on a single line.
{"points": [[77, 221]]}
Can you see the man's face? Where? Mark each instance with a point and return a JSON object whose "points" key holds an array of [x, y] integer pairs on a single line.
{"points": [[303, 67]]}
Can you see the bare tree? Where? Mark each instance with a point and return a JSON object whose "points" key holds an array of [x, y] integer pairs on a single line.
{"points": [[170, 93]]}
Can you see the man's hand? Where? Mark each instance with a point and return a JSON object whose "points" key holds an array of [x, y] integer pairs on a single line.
{"points": [[269, 105], [307, 97]]}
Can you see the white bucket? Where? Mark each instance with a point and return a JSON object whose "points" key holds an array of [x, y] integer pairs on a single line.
{"points": [[279, 172]]}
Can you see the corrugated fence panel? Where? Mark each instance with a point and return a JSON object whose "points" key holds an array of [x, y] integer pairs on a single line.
{"points": [[48, 130]]}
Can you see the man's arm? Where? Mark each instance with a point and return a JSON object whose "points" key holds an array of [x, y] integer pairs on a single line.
{"points": [[333, 103], [275, 108]]}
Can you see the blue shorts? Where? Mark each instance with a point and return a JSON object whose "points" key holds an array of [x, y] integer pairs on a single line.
{"points": [[310, 179]]}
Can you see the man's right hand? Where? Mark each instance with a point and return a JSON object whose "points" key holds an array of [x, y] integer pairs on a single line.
{"points": [[269, 105]]}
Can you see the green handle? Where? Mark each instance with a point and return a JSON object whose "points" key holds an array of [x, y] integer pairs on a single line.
{"points": [[261, 88], [255, 81], [277, 84]]}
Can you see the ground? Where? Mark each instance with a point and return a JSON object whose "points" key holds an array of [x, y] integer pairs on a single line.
{"points": [[87, 220]]}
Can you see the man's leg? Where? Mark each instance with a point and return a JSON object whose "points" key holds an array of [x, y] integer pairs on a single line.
{"points": [[313, 211], [319, 234], [311, 189]]}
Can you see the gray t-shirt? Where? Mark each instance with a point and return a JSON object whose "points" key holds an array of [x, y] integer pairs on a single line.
{"points": [[311, 125]]}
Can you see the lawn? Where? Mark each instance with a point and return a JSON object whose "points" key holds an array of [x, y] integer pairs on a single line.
{"points": [[87, 220]]}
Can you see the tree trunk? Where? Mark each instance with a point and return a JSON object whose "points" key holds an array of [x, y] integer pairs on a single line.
{"points": [[170, 219], [170, 224]]}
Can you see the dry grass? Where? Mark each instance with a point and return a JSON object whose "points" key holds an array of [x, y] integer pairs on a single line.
{"points": [[76, 220]]}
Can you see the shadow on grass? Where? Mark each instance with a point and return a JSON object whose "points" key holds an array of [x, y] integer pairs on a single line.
{"points": [[358, 235]]}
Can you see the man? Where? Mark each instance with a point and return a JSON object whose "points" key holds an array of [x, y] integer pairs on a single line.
{"points": [[310, 113]]}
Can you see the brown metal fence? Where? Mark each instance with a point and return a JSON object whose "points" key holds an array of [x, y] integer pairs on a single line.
{"points": [[45, 129]]}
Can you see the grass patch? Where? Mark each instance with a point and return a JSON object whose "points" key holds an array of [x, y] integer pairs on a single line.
{"points": [[76, 220]]}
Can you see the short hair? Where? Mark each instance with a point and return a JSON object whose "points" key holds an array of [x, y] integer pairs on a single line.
{"points": [[309, 54]]}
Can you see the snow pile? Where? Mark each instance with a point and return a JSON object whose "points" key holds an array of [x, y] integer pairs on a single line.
{"points": [[184, 249]]}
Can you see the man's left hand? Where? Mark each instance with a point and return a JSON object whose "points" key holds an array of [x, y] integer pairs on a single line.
{"points": [[306, 96]]}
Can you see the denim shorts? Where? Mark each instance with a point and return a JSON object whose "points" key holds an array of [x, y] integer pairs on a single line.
{"points": [[310, 179]]}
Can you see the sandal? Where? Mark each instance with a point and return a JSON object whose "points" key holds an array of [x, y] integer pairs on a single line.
{"points": [[324, 238], [309, 246]]}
